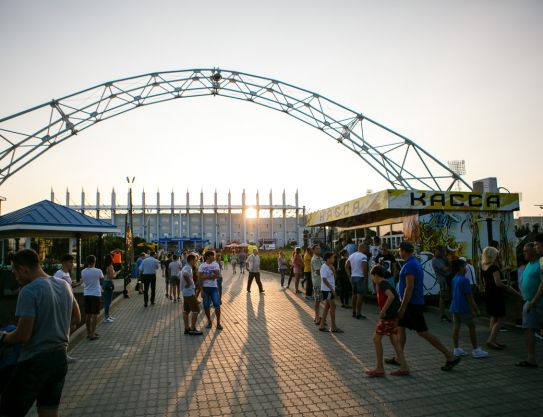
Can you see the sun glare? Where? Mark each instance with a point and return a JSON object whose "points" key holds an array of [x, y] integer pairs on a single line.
{"points": [[250, 213]]}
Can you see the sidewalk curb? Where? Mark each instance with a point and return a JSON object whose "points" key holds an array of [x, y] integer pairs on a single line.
{"points": [[81, 333]]}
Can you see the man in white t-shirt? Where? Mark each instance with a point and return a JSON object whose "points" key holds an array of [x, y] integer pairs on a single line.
{"points": [[64, 274], [208, 273], [190, 303], [92, 293], [253, 266], [67, 265], [357, 269], [174, 268]]}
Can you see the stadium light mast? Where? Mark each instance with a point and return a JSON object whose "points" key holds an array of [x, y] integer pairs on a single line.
{"points": [[459, 168]]}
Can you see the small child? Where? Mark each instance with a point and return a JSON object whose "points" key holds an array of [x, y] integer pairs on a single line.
{"points": [[389, 304], [464, 309]]}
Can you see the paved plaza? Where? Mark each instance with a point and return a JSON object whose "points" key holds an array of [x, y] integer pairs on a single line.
{"points": [[270, 360]]}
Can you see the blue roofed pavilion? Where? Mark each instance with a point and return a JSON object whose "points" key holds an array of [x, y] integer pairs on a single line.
{"points": [[48, 219]]}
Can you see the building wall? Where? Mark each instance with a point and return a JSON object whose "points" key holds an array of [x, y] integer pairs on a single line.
{"points": [[219, 224]]}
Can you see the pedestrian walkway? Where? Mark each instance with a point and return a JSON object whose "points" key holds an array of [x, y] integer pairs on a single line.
{"points": [[270, 360]]}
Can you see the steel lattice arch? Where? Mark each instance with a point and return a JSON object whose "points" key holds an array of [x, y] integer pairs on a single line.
{"points": [[26, 135]]}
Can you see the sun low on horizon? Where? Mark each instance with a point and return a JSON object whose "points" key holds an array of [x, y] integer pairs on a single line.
{"points": [[251, 213]]}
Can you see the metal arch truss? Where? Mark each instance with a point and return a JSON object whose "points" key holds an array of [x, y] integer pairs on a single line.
{"points": [[26, 135]]}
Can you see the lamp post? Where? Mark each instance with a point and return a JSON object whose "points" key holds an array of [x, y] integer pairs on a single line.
{"points": [[129, 237], [130, 214]]}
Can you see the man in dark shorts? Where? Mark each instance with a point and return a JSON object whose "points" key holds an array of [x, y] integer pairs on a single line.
{"points": [[46, 310], [411, 315], [92, 278], [190, 303]]}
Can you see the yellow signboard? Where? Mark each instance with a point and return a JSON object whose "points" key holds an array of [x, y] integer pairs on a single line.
{"points": [[407, 200], [452, 200]]}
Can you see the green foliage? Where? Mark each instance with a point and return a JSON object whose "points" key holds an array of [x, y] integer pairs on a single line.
{"points": [[268, 261]]}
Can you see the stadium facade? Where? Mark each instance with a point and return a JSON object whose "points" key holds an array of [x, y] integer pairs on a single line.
{"points": [[216, 224]]}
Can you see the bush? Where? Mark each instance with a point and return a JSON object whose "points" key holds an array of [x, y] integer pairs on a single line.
{"points": [[268, 262]]}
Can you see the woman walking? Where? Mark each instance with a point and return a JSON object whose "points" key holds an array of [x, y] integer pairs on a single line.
{"points": [[494, 294], [297, 268], [234, 261], [282, 267], [108, 286]]}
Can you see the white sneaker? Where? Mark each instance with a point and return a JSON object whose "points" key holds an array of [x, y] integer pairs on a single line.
{"points": [[479, 353], [111, 318], [108, 320], [459, 352]]}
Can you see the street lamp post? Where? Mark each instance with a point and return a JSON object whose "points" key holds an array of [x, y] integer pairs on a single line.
{"points": [[129, 237]]}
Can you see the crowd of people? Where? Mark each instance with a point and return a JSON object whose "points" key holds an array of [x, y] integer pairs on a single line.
{"points": [[48, 312], [355, 271]]}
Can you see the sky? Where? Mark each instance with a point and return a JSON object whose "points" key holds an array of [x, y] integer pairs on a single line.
{"points": [[460, 78]]}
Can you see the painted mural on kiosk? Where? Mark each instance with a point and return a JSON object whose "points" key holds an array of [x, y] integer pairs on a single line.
{"points": [[460, 221]]}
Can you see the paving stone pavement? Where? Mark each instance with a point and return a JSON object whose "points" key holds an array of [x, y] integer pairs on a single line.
{"points": [[270, 360]]}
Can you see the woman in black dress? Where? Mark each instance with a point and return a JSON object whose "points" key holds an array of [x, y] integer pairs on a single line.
{"points": [[344, 283], [495, 290]]}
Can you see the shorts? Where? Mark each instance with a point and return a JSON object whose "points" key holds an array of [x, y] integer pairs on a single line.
{"points": [[413, 318], [466, 318], [360, 285], [533, 318], [327, 295], [92, 304], [167, 279], [190, 303], [211, 296], [176, 282], [39, 379], [317, 293], [387, 327]]}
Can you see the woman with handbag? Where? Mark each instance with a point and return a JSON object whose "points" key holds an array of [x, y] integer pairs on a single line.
{"points": [[108, 286]]}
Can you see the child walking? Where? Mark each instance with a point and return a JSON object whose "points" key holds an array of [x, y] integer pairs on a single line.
{"points": [[464, 309], [389, 304]]}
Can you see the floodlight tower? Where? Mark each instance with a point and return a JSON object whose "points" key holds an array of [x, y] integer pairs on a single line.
{"points": [[459, 168]]}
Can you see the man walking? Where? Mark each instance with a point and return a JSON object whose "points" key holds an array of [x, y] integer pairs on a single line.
{"points": [[411, 291], [253, 266], [357, 269], [442, 268], [190, 303], [148, 268], [64, 274], [241, 259], [167, 276], [46, 311], [208, 273], [316, 264], [174, 267], [92, 294], [532, 293]]}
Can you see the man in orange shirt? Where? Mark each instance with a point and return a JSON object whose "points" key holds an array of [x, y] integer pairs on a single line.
{"points": [[117, 259]]}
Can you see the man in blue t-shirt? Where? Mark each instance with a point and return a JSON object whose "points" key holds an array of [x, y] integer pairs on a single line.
{"points": [[532, 292], [411, 315]]}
